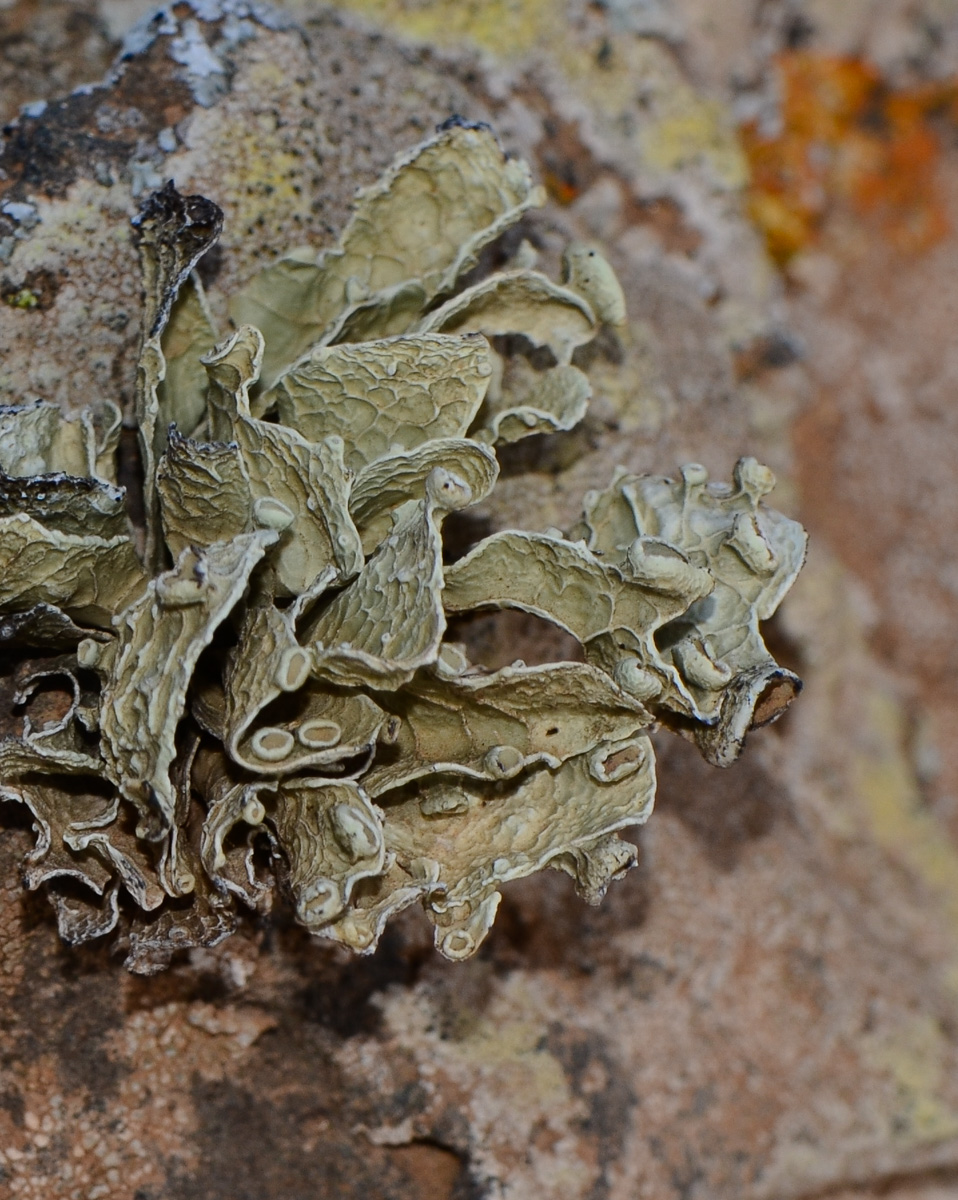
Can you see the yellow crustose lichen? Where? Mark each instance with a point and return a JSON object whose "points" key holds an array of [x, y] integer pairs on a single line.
{"points": [[255, 685]]}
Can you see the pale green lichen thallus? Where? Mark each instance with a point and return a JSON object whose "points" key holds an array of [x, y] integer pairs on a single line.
{"points": [[259, 685]]}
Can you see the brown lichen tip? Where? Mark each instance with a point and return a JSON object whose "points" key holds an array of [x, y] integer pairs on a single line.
{"points": [[257, 688]]}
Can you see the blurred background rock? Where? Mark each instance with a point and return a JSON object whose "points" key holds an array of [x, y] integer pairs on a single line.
{"points": [[768, 1008]]}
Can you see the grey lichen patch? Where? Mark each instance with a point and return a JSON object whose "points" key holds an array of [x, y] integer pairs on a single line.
{"points": [[412, 235], [715, 666], [269, 696], [386, 395]]}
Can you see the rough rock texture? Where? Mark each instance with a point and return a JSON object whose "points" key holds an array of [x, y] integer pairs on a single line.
{"points": [[768, 1008]]}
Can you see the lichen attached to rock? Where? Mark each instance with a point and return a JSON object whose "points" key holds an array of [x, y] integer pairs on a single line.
{"points": [[255, 686]]}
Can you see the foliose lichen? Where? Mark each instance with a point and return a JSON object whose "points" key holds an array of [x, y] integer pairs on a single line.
{"points": [[254, 685]]}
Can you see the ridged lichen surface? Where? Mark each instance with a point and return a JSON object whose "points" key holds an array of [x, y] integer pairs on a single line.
{"points": [[254, 684]]}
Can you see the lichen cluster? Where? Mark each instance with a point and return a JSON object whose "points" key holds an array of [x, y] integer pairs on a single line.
{"points": [[253, 684]]}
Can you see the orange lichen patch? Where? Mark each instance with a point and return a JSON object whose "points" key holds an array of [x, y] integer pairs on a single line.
{"points": [[561, 188], [848, 141]]}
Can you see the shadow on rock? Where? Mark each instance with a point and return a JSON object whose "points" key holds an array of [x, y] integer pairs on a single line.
{"points": [[724, 809]]}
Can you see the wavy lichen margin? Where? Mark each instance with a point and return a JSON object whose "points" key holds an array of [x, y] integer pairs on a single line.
{"points": [[259, 688]]}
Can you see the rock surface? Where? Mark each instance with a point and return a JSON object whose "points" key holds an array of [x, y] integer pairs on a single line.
{"points": [[768, 1008]]}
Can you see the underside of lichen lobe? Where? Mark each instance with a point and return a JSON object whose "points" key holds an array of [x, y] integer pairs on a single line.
{"points": [[268, 696]]}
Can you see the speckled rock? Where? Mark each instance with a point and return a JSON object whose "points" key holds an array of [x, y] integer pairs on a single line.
{"points": [[768, 1008]]}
